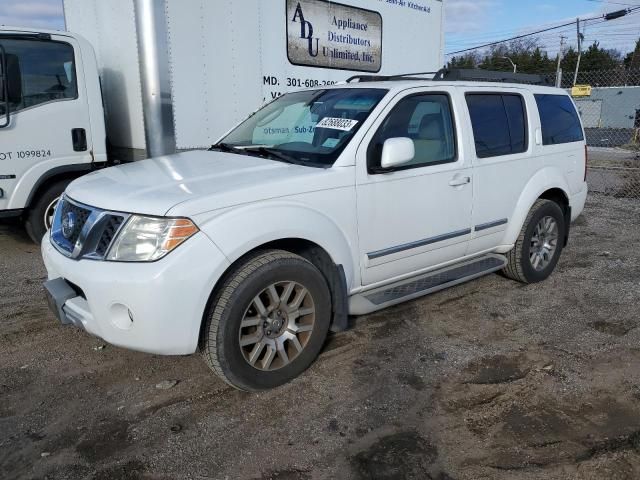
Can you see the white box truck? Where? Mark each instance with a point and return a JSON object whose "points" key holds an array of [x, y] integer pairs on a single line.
{"points": [[132, 79]]}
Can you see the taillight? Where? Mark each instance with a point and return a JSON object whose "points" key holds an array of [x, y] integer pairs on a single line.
{"points": [[586, 158]]}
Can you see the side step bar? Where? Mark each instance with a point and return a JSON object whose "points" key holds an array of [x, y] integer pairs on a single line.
{"points": [[408, 289]]}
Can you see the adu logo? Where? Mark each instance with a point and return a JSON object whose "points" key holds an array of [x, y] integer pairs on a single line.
{"points": [[306, 30]]}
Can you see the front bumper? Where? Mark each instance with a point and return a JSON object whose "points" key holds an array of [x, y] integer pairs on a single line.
{"points": [[154, 307]]}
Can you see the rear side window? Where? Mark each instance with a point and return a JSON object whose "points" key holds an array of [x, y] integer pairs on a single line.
{"points": [[499, 124], [560, 121]]}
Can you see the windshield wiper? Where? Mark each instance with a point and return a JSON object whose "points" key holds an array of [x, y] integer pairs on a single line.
{"points": [[224, 147], [274, 153], [260, 149]]}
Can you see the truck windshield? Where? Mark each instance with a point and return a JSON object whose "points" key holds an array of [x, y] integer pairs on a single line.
{"points": [[310, 127]]}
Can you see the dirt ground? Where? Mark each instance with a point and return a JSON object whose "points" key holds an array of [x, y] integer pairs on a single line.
{"points": [[487, 380]]}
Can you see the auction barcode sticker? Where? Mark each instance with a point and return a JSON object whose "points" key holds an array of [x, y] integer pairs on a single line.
{"points": [[345, 124]]}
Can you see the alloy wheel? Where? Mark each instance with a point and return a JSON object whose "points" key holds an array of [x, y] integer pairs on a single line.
{"points": [[544, 243], [277, 325]]}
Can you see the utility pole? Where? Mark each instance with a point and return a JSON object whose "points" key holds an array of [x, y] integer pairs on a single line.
{"points": [[515, 67], [560, 57], [580, 38]]}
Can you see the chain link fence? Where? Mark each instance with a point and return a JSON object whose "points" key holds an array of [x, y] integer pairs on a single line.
{"points": [[611, 116]]}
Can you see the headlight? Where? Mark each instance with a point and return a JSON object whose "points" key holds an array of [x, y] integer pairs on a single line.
{"points": [[144, 239]]}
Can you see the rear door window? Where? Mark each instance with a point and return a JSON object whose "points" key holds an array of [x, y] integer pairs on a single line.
{"points": [[499, 123], [560, 121]]}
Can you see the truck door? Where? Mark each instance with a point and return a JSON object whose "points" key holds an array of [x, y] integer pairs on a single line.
{"points": [[46, 129]]}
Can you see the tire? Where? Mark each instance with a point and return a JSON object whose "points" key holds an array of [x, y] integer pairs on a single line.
{"points": [[234, 305], [520, 266], [35, 218]]}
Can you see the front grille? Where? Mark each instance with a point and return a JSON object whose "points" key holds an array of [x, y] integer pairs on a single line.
{"points": [[80, 231], [111, 228], [80, 215]]}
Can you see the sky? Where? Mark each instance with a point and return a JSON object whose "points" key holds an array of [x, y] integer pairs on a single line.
{"points": [[468, 22]]}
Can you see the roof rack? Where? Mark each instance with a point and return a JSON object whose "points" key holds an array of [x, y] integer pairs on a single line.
{"points": [[479, 75], [386, 78], [461, 75]]}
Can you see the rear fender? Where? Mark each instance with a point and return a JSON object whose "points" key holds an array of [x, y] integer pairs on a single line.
{"points": [[543, 180]]}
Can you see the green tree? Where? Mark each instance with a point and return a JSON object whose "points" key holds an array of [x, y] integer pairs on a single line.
{"points": [[596, 58], [632, 60], [468, 60], [526, 53]]}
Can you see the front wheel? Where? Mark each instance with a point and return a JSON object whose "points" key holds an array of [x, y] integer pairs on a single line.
{"points": [[267, 322], [539, 245], [40, 216]]}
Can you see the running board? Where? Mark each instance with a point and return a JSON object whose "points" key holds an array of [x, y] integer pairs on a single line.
{"points": [[408, 289]]}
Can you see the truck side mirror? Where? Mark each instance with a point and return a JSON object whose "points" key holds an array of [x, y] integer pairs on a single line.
{"points": [[397, 152], [14, 75], [10, 83]]}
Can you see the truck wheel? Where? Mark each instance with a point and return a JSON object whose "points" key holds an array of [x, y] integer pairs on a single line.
{"points": [[267, 322], [40, 215], [539, 245]]}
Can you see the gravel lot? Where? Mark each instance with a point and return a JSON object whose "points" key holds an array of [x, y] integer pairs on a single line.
{"points": [[488, 380]]}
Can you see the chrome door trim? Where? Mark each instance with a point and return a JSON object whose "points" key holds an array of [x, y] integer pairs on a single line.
{"points": [[488, 225], [417, 244]]}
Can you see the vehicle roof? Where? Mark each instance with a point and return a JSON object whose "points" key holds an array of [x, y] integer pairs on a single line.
{"points": [[404, 84], [9, 28]]}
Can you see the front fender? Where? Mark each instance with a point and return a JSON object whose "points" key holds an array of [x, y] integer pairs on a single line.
{"points": [[545, 179], [239, 230]]}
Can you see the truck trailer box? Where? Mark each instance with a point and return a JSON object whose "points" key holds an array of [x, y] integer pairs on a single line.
{"points": [[210, 63]]}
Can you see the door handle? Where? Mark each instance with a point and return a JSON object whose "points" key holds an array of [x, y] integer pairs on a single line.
{"points": [[459, 181], [79, 139]]}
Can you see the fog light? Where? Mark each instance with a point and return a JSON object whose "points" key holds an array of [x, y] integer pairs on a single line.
{"points": [[1, 193], [121, 316]]}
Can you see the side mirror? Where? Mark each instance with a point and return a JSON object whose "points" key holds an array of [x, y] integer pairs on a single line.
{"points": [[10, 84], [397, 152], [10, 78]]}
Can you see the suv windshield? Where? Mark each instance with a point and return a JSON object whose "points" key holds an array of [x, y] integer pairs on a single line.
{"points": [[310, 127]]}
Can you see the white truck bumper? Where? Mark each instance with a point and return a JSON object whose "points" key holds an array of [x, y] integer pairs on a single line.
{"points": [[154, 307]]}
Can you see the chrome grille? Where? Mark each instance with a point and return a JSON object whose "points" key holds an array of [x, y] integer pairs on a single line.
{"points": [[80, 231], [108, 234], [81, 216]]}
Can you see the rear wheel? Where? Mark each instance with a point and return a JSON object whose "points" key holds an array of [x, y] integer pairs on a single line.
{"points": [[268, 321], [539, 245], [40, 215]]}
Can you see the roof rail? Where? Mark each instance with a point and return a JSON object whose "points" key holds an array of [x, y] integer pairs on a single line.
{"points": [[479, 75], [386, 78]]}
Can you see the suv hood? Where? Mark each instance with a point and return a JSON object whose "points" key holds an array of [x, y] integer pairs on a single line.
{"points": [[195, 182]]}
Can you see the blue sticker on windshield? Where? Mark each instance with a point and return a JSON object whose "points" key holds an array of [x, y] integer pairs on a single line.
{"points": [[331, 142]]}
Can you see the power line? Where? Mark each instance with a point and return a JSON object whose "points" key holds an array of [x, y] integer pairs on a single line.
{"points": [[517, 37], [614, 3]]}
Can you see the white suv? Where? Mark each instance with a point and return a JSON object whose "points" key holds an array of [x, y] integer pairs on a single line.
{"points": [[325, 203]]}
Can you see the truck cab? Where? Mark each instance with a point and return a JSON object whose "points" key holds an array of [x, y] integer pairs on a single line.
{"points": [[52, 126]]}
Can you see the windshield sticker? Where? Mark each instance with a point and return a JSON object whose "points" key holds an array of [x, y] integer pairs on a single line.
{"points": [[344, 124]]}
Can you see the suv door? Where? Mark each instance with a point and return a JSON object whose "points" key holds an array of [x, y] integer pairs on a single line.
{"points": [[48, 126], [503, 160], [416, 216]]}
